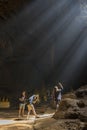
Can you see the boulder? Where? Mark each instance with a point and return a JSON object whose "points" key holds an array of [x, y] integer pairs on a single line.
{"points": [[72, 109], [68, 103], [68, 108], [71, 95], [81, 92]]}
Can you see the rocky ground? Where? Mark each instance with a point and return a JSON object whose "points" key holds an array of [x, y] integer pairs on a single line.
{"points": [[73, 109], [72, 115]]}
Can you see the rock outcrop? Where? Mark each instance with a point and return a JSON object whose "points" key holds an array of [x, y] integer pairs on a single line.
{"points": [[74, 107]]}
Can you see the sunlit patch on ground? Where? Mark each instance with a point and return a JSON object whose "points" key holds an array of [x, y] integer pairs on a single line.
{"points": [[6, 122], [25, 120]]}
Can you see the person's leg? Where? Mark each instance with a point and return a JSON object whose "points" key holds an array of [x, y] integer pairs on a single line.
{"points": [[20, 109], [28, 114], [23, 109], [29, 109], [22, 112], [33, 110], [57, 104]]}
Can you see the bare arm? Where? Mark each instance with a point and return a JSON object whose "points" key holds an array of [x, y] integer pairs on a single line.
{"points": [[61, 85]]}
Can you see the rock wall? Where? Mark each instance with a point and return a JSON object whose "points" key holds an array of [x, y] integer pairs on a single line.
{"points": [[10, 7]]}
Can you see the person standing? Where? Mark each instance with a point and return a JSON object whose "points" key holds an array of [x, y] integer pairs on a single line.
{"points": [[22, 102], [57, 94]]}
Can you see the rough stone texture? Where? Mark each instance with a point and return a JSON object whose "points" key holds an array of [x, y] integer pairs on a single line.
{"points": [[71, 95], [68, 124], [68, 103], [81, 92], [81, 104]]}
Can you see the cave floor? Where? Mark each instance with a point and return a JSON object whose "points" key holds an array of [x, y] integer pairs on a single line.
{"points": [[8, 117]]}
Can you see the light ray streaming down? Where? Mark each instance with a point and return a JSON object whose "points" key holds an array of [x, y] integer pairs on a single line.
{"points": [[48, 41]]}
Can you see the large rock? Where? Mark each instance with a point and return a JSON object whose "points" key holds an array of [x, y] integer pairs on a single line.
{"points": [[49, 124], [71, 95], [83, 114], [81, 92], [73, 107], [66, 107], [68, 103]]}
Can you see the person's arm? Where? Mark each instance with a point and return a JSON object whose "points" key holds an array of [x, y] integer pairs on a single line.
{"points": [[20, 99], [61, 85]]}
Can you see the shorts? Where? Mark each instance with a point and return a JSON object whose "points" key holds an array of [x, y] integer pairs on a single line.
{"points": [[30, 107], [22, 106]]}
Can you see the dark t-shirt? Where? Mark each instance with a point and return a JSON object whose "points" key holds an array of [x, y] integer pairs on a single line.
{"points": [[22, 99]]}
